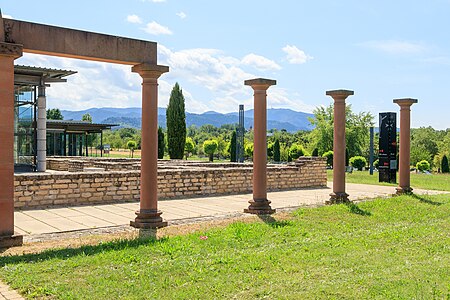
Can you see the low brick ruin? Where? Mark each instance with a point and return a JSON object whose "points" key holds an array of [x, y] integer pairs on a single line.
{"points": [[79, 181]]}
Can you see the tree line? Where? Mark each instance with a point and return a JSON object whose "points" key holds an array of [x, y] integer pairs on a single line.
{"points": [[181, 142]]}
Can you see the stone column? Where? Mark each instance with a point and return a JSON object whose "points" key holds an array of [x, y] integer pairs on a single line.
{"points": [[148, 215], [259, 204], [339, 195], [41, 129], [404, 186], [8, 52]]}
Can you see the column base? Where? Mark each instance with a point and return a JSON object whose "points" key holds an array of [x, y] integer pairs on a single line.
{"points": [[11, 241], [148, 219], [338, 198], [259, 207], [403, 190]]}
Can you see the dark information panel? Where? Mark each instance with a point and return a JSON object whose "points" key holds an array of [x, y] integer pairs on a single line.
{"points": [[387, 153]]}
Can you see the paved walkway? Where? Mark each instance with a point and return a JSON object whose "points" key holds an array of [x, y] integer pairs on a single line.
{"points": [[52, 220], [7, 293]]}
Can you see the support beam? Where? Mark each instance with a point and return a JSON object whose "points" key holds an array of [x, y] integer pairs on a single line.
{"points": [[8, 52], [41, 129], [339, 195], [148, 215], [260, 204], [404, 185]]}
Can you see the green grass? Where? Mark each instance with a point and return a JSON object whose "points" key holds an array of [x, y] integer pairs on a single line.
{"points": [[396, 248], [435, 181]]}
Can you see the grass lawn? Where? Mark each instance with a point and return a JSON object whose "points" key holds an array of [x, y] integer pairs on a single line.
{"points": [[435, 181], [397, 248]]}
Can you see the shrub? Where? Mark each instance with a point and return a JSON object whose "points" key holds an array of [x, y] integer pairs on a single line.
{"points": [[376, 164], [296, 150], [444, 164], [329, 156], [358, 162], [276, 151], [315, 152], [131, 145], [423, 166], [189, 147]]}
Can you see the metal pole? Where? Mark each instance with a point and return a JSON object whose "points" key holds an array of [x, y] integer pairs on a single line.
{"points": [[371, 152]]}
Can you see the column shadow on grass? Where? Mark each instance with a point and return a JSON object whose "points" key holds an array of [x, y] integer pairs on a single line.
{"points": [[83, 250], [355, 209], [425, 200], [274, 223]]}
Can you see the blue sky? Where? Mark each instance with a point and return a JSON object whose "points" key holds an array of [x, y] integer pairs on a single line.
{"points": [[380, 49]]}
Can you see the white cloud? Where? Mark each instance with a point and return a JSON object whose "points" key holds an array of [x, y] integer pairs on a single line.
{"points": [[134, 19], [295, 55], [157, 29], [95, 85], [181, 14], [395, 47], [260, 62]]}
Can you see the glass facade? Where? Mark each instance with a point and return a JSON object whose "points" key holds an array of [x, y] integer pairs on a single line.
{"points": [[25, 128]]}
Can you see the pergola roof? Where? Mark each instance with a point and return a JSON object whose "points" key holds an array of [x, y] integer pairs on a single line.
{"points": [[77, 126], [28, 75]]}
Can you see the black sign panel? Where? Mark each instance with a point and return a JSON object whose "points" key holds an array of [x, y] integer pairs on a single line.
{"points": [[387, 153]]}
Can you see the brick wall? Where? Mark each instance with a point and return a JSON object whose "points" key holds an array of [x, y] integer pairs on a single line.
{"points": [[75, 188]]}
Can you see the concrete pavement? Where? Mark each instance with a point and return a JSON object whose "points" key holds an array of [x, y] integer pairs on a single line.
{"points": [[62, 219]]}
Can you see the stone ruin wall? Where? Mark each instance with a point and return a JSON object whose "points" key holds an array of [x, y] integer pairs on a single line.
{"points": [[175, 180]]}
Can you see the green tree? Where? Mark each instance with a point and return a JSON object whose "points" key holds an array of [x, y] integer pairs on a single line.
{"points": [[315, 152], [276, 151], [210, 147], [358, 162], [329, 156], [233, 147], [189, 147], [357, 130], [176, 123], [376, 164], [54, 114], [87, 118], [161, 143], [132, 146], [445, 168], [248, 149]]}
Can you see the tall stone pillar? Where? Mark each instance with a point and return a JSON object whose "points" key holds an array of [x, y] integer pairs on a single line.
{"points": [[339, 195], [41, 129], [404, 186], [8, 52], [148, 215], [259, 204]]}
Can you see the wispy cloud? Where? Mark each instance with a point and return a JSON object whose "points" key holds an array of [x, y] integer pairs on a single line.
{"points": [[395, 46], [135, 19], [295, 55], [260, 62], [181, 14], [157, 29]]}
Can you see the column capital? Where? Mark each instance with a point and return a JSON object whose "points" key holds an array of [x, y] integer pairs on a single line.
{"points": [[340, 94], [8, 49], [405, 102], [150, 71], [260, 83]]}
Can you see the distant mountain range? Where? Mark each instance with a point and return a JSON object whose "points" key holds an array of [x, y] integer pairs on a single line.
{"points": [[277, 118]]}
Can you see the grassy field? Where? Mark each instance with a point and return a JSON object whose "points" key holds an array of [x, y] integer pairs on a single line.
{"points": [[397, 248], [435, 181]]}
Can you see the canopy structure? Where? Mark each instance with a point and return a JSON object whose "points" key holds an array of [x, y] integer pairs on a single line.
{"points": [[74, 138], [30, 114]]}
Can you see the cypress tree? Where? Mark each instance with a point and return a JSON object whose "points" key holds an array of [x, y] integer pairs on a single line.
{"points": [[233, 147], [315, 152], [444, 164], [161, 143], [347, 158], [176, 123], [276, 151]]}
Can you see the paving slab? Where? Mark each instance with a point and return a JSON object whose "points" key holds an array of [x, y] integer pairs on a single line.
{"points": [[52, 220]]}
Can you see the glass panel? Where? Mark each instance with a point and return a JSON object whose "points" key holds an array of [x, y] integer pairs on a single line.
{"points": [[24, 133]]}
